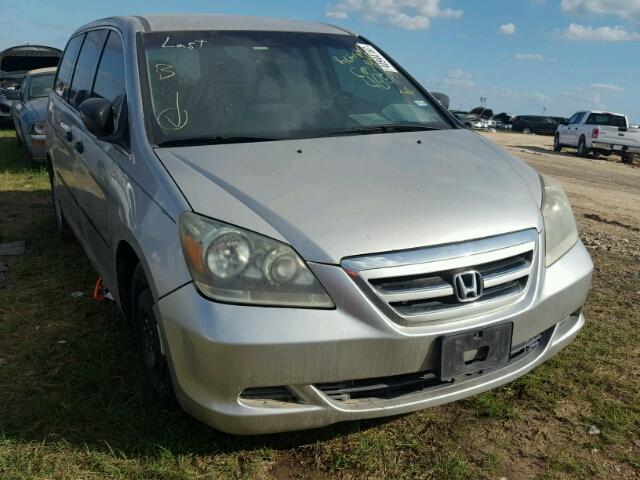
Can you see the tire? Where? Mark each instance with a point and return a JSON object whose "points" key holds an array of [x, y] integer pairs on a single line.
{"points": [[556, 144], [64, 231], [627, 159], [583, 151], [149, 342]]}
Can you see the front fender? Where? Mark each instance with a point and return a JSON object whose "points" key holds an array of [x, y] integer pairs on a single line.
{"points": [[152, 234]]}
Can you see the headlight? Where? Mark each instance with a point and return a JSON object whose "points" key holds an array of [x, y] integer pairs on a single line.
{"points": [[559, 225], [231, 264], [37, 128]]}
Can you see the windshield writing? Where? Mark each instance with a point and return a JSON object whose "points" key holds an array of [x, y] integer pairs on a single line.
{"points": [[274, 85]]}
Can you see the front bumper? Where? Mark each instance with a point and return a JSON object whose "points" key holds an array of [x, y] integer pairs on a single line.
{"points": [[216, 350], [37, 145]]}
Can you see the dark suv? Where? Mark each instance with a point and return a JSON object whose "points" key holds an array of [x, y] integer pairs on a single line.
{"points": [[535, 124]]}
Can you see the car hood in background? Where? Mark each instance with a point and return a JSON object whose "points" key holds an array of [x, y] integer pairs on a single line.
{"points": [[336, 197], [37, 108]]}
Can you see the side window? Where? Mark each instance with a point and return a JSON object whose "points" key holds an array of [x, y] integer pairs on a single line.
{"points": [[86, 66], [65, 71], [110, 83], [576, 118]]}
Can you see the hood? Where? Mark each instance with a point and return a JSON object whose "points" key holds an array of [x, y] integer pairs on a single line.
{"points": [[37, 109], [336, 197]]}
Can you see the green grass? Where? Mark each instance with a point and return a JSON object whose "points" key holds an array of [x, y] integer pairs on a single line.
{"points": [[74, 404]]}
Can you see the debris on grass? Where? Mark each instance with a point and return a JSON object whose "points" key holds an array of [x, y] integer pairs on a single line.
{"points": [[13, 248], [593, 430], [77, 294]]}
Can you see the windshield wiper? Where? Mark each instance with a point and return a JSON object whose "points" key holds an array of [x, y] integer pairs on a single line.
{"points": [[219, 140], [386, 128]]}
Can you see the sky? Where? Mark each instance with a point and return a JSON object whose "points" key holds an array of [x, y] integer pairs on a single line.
{"points": [[523, 56]]}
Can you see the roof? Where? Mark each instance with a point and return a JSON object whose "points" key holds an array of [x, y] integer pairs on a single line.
{"points": [[603, 112], [207, 21], [203, 21], [39, 71]]}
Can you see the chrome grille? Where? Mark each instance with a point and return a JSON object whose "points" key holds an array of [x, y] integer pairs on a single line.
{"points": [[419, 284]]}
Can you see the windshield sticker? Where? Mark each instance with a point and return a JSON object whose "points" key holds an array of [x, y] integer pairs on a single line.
{"points": [[364, 67], [261, 48], [407, 92], [382, 62], [173, 118], [420, 103]]}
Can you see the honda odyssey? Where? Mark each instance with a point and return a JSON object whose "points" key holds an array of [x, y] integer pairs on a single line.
{"points": [[297, 231]]}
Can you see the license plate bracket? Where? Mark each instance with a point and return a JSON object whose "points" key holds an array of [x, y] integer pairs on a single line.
{"points": [[471, 352]]}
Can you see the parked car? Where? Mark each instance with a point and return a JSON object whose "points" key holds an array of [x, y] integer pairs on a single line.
{"points": [[471, 121], [293, 245], [443, 98], [503, 117], [599, 133], [500, 125], [482, 112], [534, 124], [29, 112], [15, 62]]}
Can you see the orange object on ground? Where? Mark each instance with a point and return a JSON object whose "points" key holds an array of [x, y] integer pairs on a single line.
{"points": [[98, 291]]}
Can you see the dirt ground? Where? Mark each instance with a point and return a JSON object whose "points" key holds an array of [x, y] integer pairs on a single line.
{"points": [[601, 189]]}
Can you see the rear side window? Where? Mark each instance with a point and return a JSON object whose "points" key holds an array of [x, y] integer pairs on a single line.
{"points": [[110, 83], [86, 66], [607, 120], [66, 66]]}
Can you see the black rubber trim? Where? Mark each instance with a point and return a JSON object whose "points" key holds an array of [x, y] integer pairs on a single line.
{"points": [[144, 22]]}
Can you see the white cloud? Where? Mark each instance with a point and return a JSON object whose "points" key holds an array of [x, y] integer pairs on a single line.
{"points": [[337, 14], [590, 96], [531, 57], [406, 14], [507, 29], [601, 34], [458, 78], [606, 87], [628, 9]]}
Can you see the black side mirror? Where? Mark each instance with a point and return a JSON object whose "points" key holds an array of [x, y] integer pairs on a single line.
{"points": [[442, 98], [97, 116], [14, 95], [565, 122]]}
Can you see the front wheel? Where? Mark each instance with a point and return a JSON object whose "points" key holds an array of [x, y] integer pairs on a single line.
{"points": [[556, 144], [149, 340], [583, 151]]}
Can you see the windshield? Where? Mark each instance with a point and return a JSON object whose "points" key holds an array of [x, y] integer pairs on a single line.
{"points": [[40, 86], [607, 120], [275, 85]]}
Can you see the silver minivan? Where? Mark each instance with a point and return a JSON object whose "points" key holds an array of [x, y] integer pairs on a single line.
{"points": [[297, 231]]}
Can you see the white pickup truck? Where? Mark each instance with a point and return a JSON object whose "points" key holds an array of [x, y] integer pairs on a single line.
{"points": [[599, 133]]}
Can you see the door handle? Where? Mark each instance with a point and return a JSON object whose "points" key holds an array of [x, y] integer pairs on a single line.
{"points": [[67, 131], [79, 147]]}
